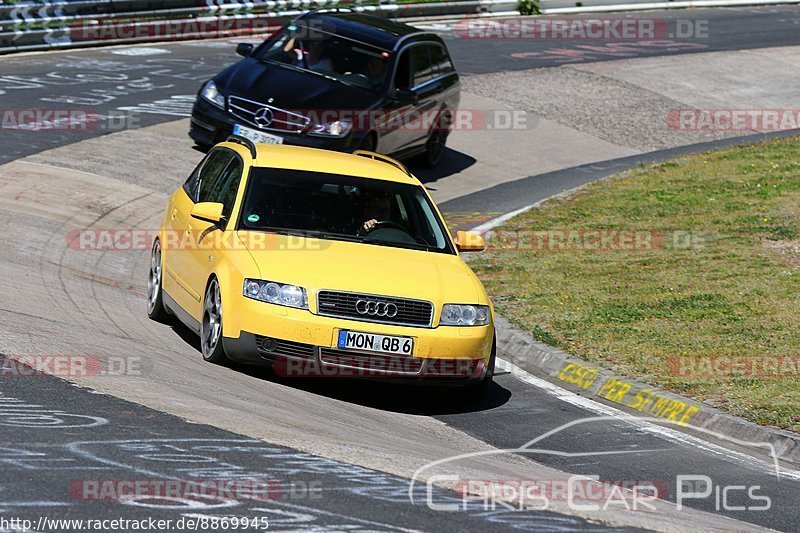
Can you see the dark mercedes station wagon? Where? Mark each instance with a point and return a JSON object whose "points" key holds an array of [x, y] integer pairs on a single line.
{"points": [[339, 80]]}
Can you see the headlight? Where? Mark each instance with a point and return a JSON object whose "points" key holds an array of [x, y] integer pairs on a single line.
{"points": [[211, 94], [464, 315], [276, 293], [337, 128]]}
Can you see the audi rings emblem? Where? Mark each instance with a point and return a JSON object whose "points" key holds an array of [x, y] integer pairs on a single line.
{"points": [[375, 308]]}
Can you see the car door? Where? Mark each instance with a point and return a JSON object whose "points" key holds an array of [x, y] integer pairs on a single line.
{"points": [[419, 113], [393, 136], [427, 88], [209, 241], [180, 242]]}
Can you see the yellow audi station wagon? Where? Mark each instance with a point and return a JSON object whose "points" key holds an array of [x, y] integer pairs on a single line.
{"points": [[320, 263]]}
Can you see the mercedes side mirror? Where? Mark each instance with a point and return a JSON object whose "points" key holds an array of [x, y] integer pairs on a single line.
{"points": [[244, 49]]}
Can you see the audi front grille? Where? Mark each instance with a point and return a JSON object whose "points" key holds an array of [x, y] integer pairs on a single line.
{"points": [[371, 308]]}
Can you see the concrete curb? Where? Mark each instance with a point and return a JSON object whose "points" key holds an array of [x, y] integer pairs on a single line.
{"points": [[634, 397]]}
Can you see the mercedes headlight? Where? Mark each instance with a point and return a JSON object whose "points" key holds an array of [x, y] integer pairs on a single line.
{"points": [[276, 293], [336, 128], [464, 315], [211, 94]]}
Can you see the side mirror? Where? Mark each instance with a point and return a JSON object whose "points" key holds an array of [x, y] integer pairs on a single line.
{"points": [[406, 96], [208, 212], [467, 241], [244, 49]]}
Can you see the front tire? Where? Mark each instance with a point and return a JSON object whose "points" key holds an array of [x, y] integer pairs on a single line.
{"points": [[211, 326], [155, 302]]}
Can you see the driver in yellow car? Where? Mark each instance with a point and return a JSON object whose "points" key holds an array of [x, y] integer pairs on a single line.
{"points": [[378, 209]]}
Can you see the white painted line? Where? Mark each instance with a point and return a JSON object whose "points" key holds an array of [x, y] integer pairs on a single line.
{"points": [[502, 219], [647, 426], [140, 51]]}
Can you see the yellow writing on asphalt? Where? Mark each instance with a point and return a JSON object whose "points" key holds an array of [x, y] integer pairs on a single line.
{"points": [[646, 401]]}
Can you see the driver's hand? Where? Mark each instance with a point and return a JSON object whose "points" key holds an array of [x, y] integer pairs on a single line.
{"points": [[369, 225]]}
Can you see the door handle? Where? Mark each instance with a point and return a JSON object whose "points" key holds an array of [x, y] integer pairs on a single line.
{"points": [[174, 214]]}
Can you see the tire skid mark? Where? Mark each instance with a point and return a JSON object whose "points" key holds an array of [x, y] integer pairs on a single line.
{"points": [[104, 215]]}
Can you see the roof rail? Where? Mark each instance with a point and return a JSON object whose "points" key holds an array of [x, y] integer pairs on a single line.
{"points": [[244, 142], [384, 159], [332, 9]]}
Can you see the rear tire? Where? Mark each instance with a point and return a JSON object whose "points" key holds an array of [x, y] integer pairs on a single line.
{"points": [[155, 302], [436, 144], [211, 326]]}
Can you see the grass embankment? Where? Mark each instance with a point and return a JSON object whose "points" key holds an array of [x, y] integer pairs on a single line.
{"points": [[698, 293]]}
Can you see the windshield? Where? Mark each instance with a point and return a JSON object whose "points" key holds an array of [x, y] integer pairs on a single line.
{"points": [[333, 206], [329, 55]]}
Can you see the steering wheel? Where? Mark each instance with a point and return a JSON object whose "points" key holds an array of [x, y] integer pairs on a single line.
{"points": [[386, 224], [383, 224], [390, 224]]}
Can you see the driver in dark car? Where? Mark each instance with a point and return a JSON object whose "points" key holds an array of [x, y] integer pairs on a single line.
{"points": [[378, 208]]}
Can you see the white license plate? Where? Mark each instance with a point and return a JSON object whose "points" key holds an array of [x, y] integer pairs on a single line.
{"points": [[375, 343], [257, 136]]}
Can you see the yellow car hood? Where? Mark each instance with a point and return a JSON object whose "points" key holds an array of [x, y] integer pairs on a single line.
{"points": [[354, 267]]}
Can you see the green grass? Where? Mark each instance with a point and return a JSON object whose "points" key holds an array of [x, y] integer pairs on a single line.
{"points": [[724, 281]]}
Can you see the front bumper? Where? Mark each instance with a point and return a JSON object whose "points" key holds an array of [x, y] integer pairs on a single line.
{"points": [[298, 343], [211, 125]]}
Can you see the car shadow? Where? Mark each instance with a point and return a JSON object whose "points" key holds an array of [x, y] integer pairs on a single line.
{"points": [[402, 398], [452, 162], [411, 399]]}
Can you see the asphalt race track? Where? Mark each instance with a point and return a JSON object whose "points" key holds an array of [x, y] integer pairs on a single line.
{"points": [[162, 86], [332, 456]]}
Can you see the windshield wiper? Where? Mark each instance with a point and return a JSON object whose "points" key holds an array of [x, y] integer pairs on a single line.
{"points": [[314, 234], [395, 244], [337, 236]]}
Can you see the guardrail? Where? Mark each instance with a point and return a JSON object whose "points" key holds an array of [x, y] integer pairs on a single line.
{"points": [[28, 25], [43, 24]]}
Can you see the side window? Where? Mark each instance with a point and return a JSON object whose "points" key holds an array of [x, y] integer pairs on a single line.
{"points": [[209, 174], [227, 186], [441, 60], [191, 183], [205, 175], [421, 65], [402, 77]]}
